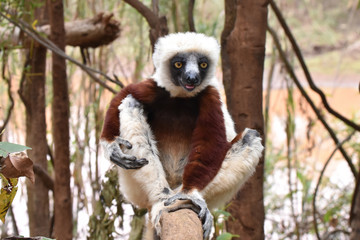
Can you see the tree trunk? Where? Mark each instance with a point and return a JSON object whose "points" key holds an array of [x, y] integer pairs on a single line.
{"points": [[33, 95], [243, 52], [60, 124], [355, 212]]}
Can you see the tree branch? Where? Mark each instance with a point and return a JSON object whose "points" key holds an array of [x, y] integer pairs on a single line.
{"points": [[181, 224], [319, 181], [308, 99], [191, 16], [44, 176], [51, 46], [11, 107], [158, 25], [146, 12], [95, 32], [306, 71]]}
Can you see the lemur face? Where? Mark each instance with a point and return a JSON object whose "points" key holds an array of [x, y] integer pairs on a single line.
{"points": [[189, 69]]}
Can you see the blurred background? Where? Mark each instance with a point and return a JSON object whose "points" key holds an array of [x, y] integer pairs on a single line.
{"points": [[308, 184]]}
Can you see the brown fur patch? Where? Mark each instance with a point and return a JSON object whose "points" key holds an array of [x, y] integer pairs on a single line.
{"points": [[208, 143]]}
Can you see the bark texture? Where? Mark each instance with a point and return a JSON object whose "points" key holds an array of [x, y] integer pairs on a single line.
{"points": [[183, 224], [33, 95], [60, 122], [243, 51]]}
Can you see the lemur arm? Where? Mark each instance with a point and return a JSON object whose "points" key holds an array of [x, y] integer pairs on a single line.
{"points": [[209, 143], [144, 92]]}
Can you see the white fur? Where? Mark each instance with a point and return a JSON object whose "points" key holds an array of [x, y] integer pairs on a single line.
{"points": [[144, 186], [239, 164], [229, 123], [172, 44], [192, 65]]}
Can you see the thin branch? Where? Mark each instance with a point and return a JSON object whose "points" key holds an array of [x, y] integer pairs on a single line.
{"points": [[306, 71], [22, 80], [8, 80], [146, 12], [191, 16], [44, 176], [155, 7], [319, 181], [308, 99], [51, 46]]}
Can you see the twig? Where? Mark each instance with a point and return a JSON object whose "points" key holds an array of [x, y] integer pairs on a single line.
{"points": [[308, 99], [11, 107], [44, 176], [22, 80], [191, 16], [319, 181], [306, 71], [51, 46]]}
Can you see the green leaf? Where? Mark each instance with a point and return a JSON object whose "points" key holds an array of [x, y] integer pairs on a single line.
{"points": [[226, 236], [6, 148]]}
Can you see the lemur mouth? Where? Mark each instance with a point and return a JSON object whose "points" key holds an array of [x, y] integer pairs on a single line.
{"points": [[189, 87]]}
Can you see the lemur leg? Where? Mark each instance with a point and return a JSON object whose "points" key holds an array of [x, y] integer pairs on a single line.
{"points": [[239, 164], [147, 185]]}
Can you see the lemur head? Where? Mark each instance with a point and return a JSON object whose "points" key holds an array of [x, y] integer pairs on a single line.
{"points": [[185, 63]]}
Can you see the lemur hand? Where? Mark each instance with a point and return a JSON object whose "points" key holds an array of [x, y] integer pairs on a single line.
{"points": [[121, 159]]}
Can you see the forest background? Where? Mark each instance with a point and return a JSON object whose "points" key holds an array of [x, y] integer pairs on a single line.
{"points": [[310, 179]]}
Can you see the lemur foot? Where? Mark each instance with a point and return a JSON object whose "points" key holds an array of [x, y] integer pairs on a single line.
{"points": [[121, 159], [198, 205]]}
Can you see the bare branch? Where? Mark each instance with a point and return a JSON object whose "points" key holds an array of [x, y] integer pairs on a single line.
{"points": [[191, 16], [51, 46], [306, 71], [308, 99], [146, 12], [44, 176], [8, 81], [158, 25], [319, 181]]}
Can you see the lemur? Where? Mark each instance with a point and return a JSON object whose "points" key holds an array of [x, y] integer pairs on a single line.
{"points": [[173, 137]]}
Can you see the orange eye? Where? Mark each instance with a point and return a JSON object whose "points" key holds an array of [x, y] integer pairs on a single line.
{"points": [[178, 64], [203, 65]]}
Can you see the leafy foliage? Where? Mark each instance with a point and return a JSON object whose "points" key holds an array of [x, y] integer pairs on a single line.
{"points": [[102, 222]]}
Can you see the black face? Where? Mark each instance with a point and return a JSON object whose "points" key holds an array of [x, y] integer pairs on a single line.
{"points": [[189, 69]]}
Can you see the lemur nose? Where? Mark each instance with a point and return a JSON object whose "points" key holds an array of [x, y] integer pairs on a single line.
{"points": [[192, 78]]}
